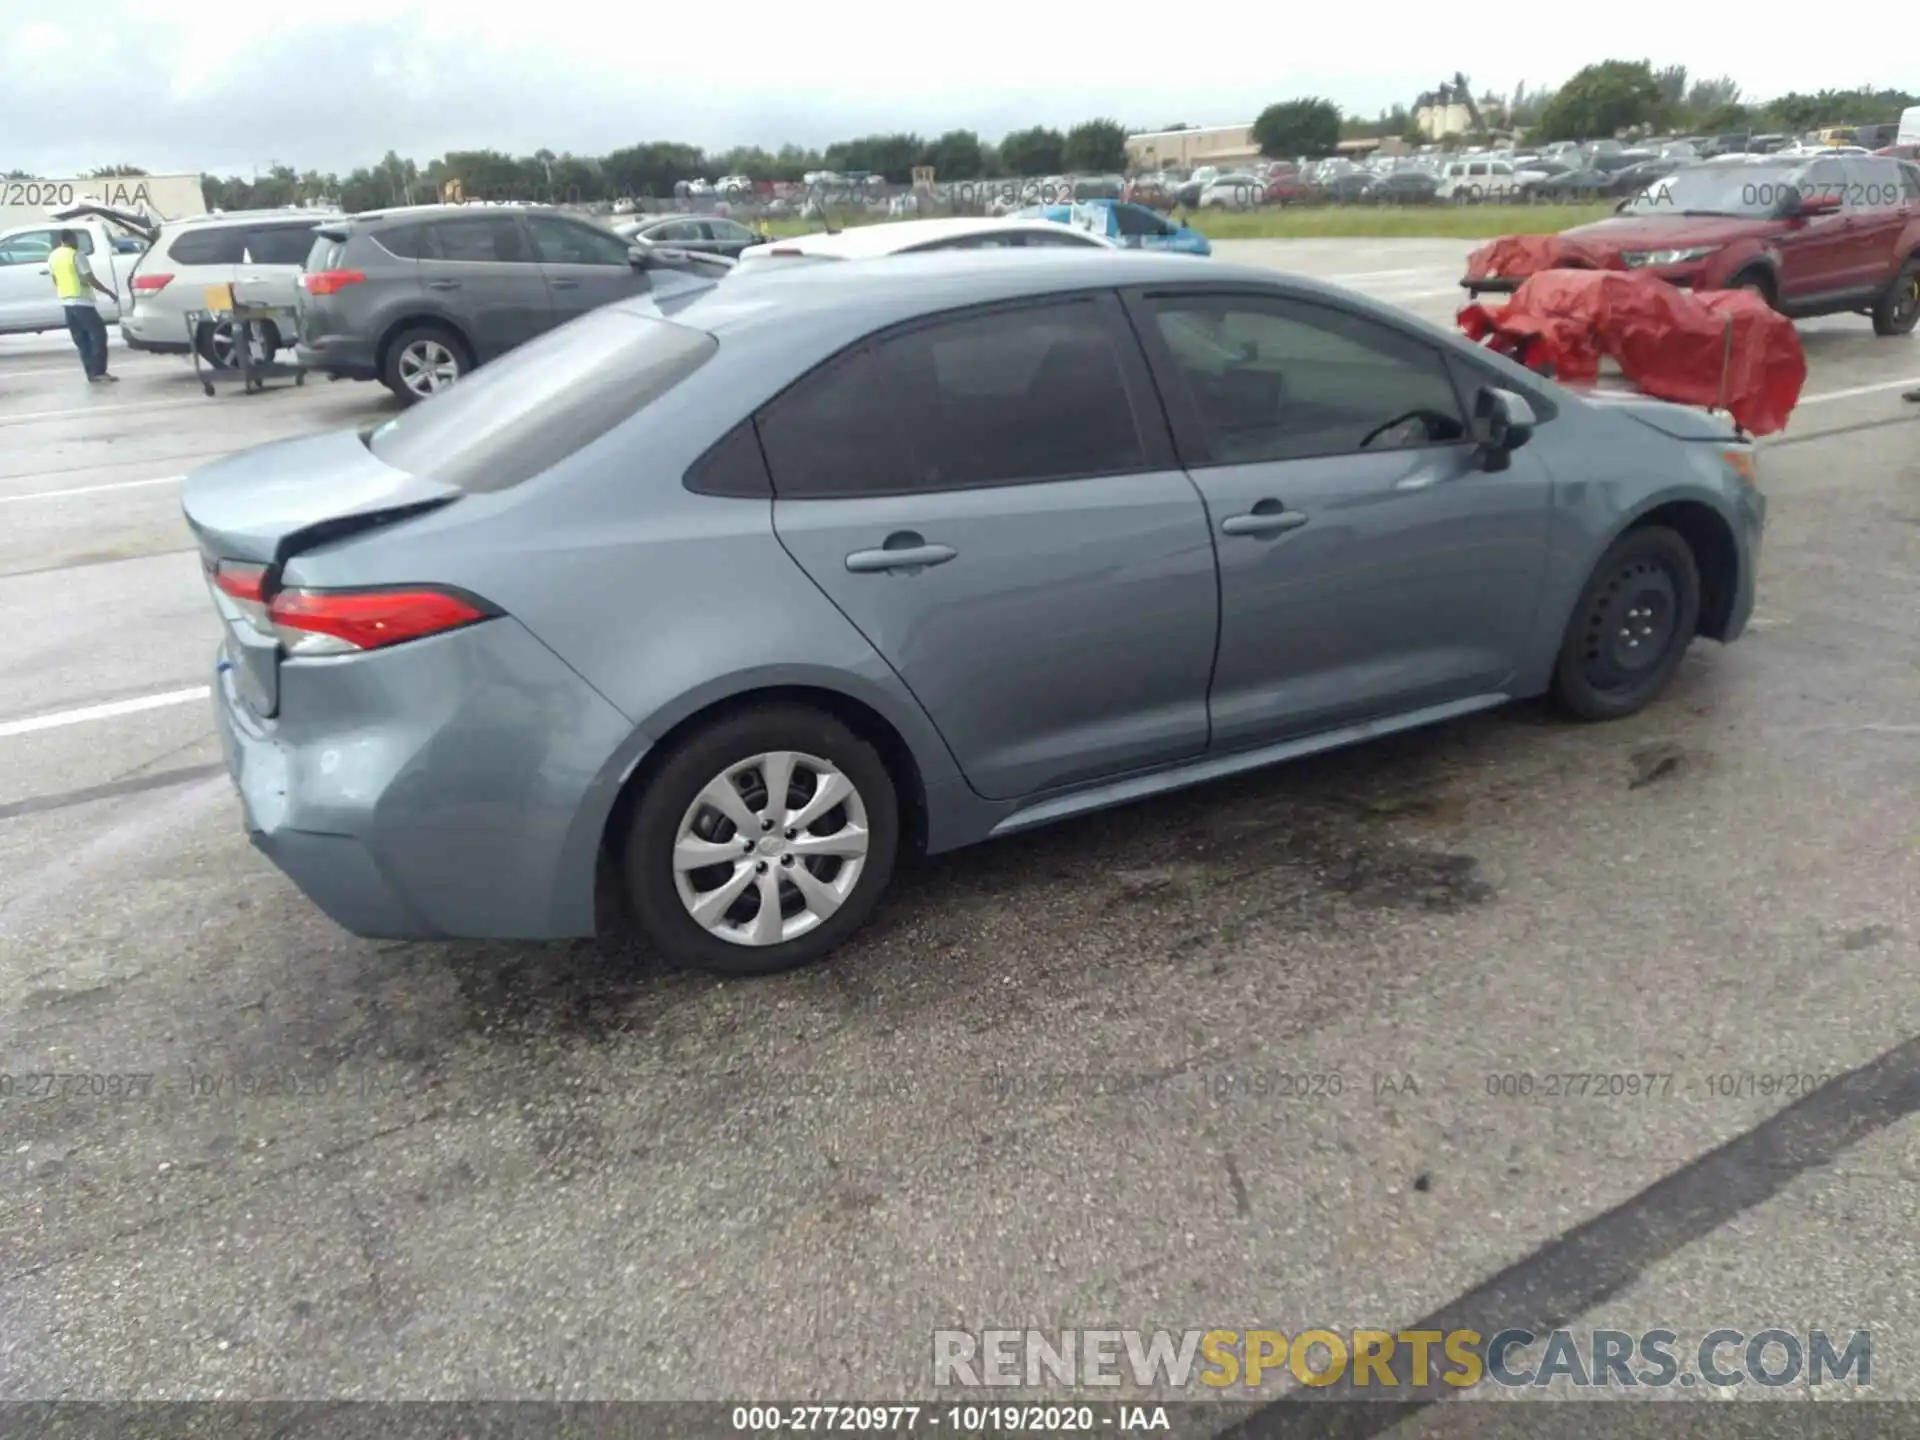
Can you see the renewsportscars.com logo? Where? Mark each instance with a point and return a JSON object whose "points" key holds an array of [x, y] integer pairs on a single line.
{"points": [[1389, 1360]]}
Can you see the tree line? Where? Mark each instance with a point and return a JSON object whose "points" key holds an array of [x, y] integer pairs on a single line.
{"points": [[657, 167], [1602, 99]]}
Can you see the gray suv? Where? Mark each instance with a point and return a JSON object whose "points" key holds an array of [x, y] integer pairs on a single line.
{"points": [[417, 297]]}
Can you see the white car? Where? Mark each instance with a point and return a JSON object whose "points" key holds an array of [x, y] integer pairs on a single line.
{"points": [[1238, 191], [259, 252], [1465, 182], [903, 237]]}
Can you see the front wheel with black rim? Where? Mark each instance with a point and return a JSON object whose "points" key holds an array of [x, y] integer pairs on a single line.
{"points": [[1898, 309], [1756, 282], [1631, 626], [422, 361], [763, 842]]}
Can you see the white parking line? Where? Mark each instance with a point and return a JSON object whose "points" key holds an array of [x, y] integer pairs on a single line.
{"points": [[92, 489], [108, 711], [1848, 394], [138, 407]]}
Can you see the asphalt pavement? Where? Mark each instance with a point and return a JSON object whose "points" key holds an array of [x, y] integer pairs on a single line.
{"points": [[1052, 1085]]}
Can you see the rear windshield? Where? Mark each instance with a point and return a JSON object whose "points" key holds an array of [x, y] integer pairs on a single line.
{"points": [[536, 405], [324, 253]]}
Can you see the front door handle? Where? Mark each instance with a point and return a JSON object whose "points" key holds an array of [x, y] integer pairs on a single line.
{"points": [[564, 284], [1268, 517], [443, 285], [902, 550]]}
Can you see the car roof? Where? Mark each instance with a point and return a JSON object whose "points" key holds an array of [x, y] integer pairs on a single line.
{"points": [[450, 207], [840, 303], [863, 241], [212, 221]]}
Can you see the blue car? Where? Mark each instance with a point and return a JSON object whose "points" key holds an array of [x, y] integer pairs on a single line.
{"points": [[1134, 226]]}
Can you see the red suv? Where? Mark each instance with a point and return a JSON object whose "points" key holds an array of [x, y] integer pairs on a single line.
{"points": [[1823, 236]]}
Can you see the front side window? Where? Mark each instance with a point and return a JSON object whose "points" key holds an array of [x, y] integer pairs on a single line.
{"points": [[563, 242], [1135, 221], [407, 242], [1275, 379]]}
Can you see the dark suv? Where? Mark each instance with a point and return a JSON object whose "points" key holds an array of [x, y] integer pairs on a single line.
{"points": [[417, 297], [1832, 235]]}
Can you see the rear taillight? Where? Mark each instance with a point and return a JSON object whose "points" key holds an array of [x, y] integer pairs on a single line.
{"points": [[339, 622], [245, 585], [150, 284], [329, 282]]}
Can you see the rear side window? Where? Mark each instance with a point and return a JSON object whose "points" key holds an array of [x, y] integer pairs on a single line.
{"points": [[1874, 184], [1031, 394], [482, 239], [210, 245], [407, 242], [1010, 397], [279, 245], [538, 404], [1911, 175], [834, 433]]}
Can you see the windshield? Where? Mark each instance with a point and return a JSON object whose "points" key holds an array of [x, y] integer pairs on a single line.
{"points": [[1755, 191]]}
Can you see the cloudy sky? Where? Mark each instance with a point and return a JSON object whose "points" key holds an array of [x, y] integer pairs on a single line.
{"points": [[226, 86]]}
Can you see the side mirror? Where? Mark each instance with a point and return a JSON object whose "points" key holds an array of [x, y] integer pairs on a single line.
{"points": [[1502, 422], [1807, 206], [639, 253]]}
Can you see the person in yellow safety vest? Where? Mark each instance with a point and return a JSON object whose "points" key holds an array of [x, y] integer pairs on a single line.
{"points": [[73, 278]]}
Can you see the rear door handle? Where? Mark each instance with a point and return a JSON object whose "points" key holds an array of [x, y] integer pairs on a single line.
{"points": [[564, 284], [903, 550], [443, 285], [1268, 517]]}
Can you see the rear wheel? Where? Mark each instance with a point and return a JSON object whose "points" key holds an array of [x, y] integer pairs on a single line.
{"points": [[1631, 626], [1898, 310], [762, 843], [215, 344], [423, 360]]}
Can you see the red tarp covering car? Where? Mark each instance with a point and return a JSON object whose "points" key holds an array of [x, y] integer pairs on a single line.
{"points": [[1723, 349], [1514, 257]]}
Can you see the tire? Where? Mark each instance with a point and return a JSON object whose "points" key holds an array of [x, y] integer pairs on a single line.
{"points": [[215, 344], [1644, 592], [731, 752], [1898, 310], [1757, 281], [419, 351]]}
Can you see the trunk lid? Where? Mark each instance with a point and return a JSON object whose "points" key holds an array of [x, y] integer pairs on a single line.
{"points": [[251, 513], [134, 224]]}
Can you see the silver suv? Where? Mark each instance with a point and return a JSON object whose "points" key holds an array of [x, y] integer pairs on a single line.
{"points": [[417, 297], [258, 252]]}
